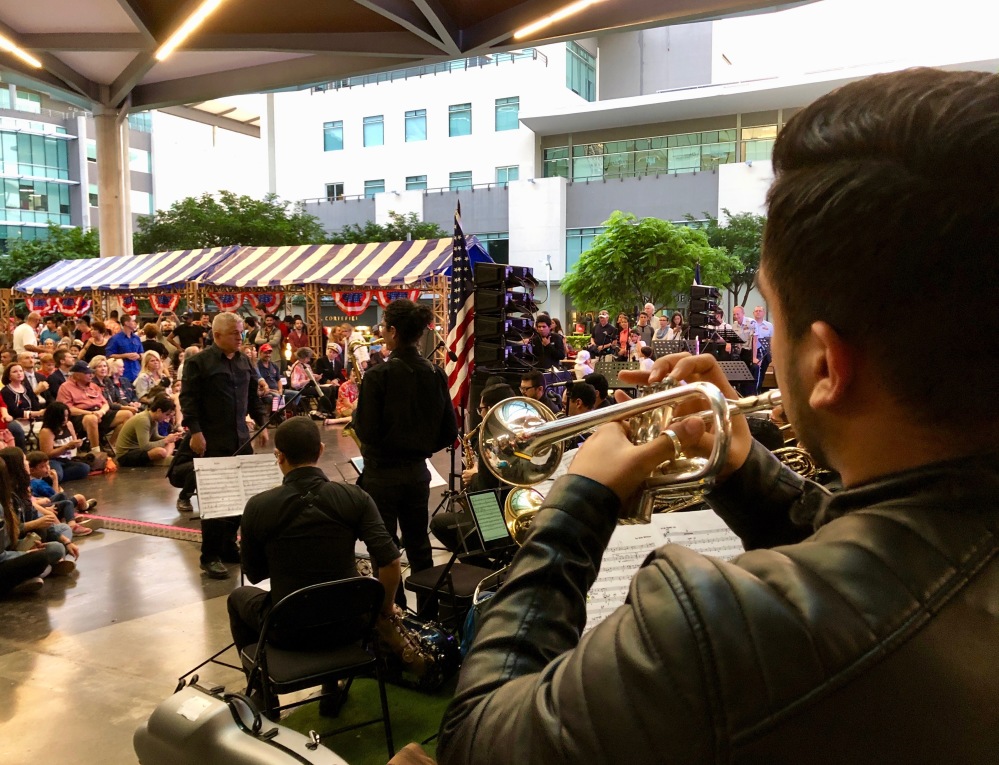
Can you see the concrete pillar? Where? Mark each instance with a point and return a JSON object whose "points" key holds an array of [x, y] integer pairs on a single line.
{"points": [[112, 144]]}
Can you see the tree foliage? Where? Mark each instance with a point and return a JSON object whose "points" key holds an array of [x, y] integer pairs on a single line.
{"points": [[226, 219], [27, 257], [634, 262], [741, 237], [399, 228]]}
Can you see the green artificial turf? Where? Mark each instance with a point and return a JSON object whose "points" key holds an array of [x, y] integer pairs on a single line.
{"points": [[415, 716]]}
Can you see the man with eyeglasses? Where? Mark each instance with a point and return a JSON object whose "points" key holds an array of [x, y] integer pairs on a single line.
{"points": [[532, 385]]}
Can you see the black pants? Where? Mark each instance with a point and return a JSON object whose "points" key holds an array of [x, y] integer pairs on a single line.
{"points": [[218, 535], [248, 607], [20, 569], [402, 495]]}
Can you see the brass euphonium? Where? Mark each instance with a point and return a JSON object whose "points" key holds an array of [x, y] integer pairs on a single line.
{"points": [[520, 443]]}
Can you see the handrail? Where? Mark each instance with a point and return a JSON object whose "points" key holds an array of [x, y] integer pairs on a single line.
{"points": [[438, 190]]}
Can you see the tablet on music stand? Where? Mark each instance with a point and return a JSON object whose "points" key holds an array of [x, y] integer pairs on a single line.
{"points": [[487, 513], [358, 464]]}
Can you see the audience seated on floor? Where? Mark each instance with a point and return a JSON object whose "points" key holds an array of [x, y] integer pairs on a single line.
{"points": [[45, 484], [140, 443], [59, 441]]}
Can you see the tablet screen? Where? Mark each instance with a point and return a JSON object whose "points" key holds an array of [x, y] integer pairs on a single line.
{"points": [[489, 521]]}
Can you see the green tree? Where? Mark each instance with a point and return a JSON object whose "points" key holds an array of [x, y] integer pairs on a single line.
{"points": [[398, 229], [741, 237], [226, 218], [26, 258], [634, 262]]}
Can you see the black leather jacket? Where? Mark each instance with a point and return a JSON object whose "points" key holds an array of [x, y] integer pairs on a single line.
{"points": [[858, 629]]}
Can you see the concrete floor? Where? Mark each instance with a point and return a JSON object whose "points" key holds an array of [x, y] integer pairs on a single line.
{"points": [[85, 661]]}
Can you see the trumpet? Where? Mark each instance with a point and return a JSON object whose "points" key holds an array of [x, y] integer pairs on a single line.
{"points": [[520, 443]]}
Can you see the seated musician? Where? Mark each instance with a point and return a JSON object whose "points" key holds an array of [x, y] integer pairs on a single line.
{"points": [[579, 398], [860, 626], [451, 528], [301, 378], [303, 533]]}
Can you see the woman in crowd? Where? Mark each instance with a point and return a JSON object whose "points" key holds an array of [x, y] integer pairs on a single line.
{"points": [[676, 329], [150, 375], [152, 340], [623, 337], [300, 379], [58, 440], [20, 400], [557, 327], [21, 569], [39, 519], [98, 341], [125, 391], [113, 393]]}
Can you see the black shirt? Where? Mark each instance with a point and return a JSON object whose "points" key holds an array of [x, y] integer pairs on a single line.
{"points": [[215, 397], [604, 335], [404, 412], [189, 334], [94, 350], [547, 356], [296, 543], [156, 345], [328, 371]]}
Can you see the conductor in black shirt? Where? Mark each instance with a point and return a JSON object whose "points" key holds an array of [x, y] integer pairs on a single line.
{"points": [[404, 414], [219, 389]]}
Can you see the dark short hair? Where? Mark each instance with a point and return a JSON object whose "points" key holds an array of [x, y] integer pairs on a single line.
{"points": [[409, 319], [59, 355], [543, 319], [766, 432], [599, 382], [885, 187], [36, 458], [162, 403], [493, 394], [299, 440], [534, 377], [584, 392]]}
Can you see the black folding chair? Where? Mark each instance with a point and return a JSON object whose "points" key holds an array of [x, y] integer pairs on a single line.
{"points": [[317, 636]]}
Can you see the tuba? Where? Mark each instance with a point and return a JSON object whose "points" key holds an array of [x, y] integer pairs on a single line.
{"points": [[520, 442]]}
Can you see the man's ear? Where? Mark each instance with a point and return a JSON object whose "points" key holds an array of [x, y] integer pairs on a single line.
{"points": [[279, 455], [831, 364]]}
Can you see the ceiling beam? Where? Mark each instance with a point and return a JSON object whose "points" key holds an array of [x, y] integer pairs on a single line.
{"points": [[443, 24], [84, 41], [215, 120], [131, 76], [26, 76], [54, 66], [254, 79], [140, 18], [400, 43], [406, 15]]}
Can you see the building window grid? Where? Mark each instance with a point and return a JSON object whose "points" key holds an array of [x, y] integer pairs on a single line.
{"points": [[334, 191], [374, 130], [416, 183], [497, 244], [580, 71], [578, 241], [36, 156], [507, 113], [459, 120], [373, 187], [333, 135], [508, 173], [680, 153], [416, 125], [461, 180], [31, 201]]}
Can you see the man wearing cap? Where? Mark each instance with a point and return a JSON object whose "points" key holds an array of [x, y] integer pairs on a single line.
{"points": [[125, 345], [88, 408], [603, 337]]}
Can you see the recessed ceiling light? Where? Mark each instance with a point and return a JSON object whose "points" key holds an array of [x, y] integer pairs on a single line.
{"points": [[193, 22], [22, 54], [560, 14]]}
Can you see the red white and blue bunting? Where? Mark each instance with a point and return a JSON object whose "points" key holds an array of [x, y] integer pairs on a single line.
{"points": [[268, 302], [42, 305], [352, 303], [387, 296], [227, 301], [164, 303], [129, 304]]}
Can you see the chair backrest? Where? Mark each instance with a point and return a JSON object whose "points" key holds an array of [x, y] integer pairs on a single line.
{"points": [[326, 615]]}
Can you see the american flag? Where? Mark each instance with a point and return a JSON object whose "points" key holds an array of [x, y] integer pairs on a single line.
{"points": [[461, 318]]}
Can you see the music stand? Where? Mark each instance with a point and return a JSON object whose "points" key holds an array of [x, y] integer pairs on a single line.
{"points": [[736, 371], [612, 369], [666, 347]]}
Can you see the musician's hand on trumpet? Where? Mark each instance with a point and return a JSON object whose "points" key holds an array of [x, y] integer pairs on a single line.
{"points": [[687, 368], [609, 458]]}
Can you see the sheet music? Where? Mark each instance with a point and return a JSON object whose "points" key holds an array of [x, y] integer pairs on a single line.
{"points": [[436, 479], [226, 483], [700, 530], [563, 467]]}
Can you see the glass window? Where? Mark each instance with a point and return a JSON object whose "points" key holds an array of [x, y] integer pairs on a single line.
{"points": [[374, 130], [506, 174], [557, 162], [416, 183], [333, 136], [580, 71], [142, 202], [497, 245], [141, 121], [4, 97], [578, 241], [461, 180], [138, 160], [373, 187], [459, 119], [28, 102], [93, 194], [507, 113], [91, 150], [416, 125], [334, 191]]}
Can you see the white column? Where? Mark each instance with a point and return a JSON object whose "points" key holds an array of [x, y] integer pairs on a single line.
{"points": [[113, 206]]}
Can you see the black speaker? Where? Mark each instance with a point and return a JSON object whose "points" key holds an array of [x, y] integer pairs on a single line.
{"points": [[504, 308]]}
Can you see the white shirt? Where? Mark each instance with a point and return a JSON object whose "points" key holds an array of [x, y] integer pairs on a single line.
{"points": [[762, 328], [24, 334]]}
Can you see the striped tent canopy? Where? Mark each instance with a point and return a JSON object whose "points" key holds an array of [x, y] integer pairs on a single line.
{"points": [[125, 273], [372, 265]]}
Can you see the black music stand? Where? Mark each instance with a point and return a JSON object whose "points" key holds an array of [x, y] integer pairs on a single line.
{"points": [[612, 369], [666, 347], [737, 371]]}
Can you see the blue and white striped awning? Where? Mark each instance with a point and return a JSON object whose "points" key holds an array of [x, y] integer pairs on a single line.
{"points": [[125, 273], [372, 265]]}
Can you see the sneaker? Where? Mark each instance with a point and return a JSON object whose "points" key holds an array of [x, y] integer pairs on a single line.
{"points": [[91, 504], [63, 567], [184, 505], [215, 569], [91, 523], [29, 585], [79, 530], [46, 572]]}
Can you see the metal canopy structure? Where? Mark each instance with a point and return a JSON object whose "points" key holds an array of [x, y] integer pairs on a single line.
{"points": [[100, 54]]}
